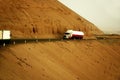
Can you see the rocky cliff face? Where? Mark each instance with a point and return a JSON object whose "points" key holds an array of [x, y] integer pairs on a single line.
{"points": [[41, 18]]}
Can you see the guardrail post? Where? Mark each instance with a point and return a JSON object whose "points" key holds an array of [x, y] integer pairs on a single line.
{"points": [[61, 39], [3, 44], [36, 40], [14, 42], [25, 41], [49, 40]]}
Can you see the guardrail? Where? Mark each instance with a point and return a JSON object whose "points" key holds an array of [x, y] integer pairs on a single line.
{"points": [[19, 41]]}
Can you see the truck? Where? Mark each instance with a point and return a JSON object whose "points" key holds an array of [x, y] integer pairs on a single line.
{"points": [[71, 34], [5, 35]]}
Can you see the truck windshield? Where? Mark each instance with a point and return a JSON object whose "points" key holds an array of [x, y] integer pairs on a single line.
{"points": [[67, 33]]}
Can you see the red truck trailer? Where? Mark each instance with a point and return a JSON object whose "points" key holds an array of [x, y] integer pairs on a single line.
{"points": [[71, 34]]}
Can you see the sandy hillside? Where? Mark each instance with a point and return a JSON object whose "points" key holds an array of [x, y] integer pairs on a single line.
{"points": [[61, 60], [55, 60], [41, 18]]}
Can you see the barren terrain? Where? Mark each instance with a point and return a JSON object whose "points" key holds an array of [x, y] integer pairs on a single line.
{"points": [[41, 19], [89, 59], [61, 60]]}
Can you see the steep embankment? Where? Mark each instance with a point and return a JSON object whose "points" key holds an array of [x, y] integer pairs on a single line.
{"points": [[61, 60], [41, 18]]}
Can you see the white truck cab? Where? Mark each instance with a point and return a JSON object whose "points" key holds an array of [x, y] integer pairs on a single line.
{"points": [[70, 34]]}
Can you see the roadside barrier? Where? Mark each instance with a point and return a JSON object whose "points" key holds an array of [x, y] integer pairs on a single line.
{"points": [[19, 41]]}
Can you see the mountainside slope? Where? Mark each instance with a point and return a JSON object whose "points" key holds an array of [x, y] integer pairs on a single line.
{"points": [[61, 60], [41, 18]]}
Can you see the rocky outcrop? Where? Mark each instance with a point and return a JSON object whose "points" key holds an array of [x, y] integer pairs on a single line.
{"points": [[41, 18]]}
